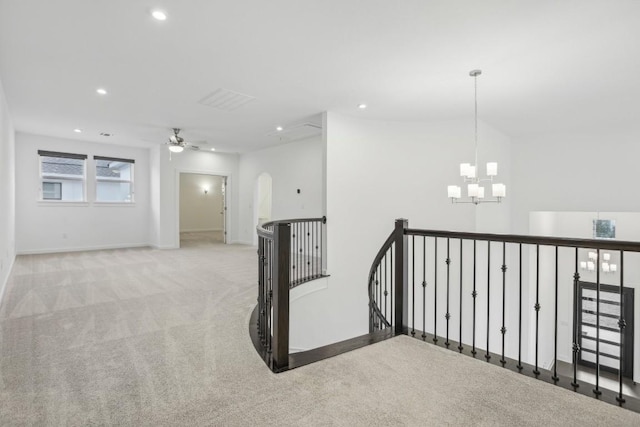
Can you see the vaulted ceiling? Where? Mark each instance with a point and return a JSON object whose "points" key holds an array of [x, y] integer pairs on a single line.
{"points": [[548, 66]]}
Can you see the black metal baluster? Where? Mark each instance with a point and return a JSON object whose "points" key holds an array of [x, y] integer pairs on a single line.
{"points": [[413, 279], [596, 390], [386, 293], [474, 294], [576, 346], [537, 305], [555, 377], [503, 329], [380, 289], [392, 280], [447, 315], [294, 253], [487, 355], [424, 286], [435, 290], [269, 296], [308, 248], [265, 279], [622, 325], [519, 365], [460, 347]]}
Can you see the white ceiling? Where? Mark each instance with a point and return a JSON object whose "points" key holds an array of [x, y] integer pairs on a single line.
{"points": [[548, 65]]}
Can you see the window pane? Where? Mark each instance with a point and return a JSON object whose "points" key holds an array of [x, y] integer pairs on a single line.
{"points": [[52, 190], [62, 178], [114, 180], [56, 166], [108, 191]]}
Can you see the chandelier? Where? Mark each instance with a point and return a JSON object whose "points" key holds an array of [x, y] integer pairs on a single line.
{"points": [[469, 172], [592, 261]]}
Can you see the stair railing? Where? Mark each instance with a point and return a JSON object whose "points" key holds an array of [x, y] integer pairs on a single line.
{"points": [[290, 253], [426, 283]]}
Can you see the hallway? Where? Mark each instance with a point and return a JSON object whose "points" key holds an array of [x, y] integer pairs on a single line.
{"points": [[150, 337]]}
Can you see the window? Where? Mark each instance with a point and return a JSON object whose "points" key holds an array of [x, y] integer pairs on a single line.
{"points": [[114, 179], [604, 228], [62, 176], [51, 190]]}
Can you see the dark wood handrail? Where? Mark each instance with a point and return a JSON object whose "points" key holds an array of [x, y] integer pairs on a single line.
{"points": [[269, 234], [376, 261], [533, 240]]}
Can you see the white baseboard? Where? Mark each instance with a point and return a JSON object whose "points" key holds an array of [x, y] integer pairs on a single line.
{"points": [[199, 230], [4, 280], [83, 248], [240, 242], [165, 247]]}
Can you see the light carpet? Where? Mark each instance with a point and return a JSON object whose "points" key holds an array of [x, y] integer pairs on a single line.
{"points": [[149, 337]]}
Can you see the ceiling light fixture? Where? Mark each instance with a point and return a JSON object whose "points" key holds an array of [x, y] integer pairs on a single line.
{"points": [[279, 128], [592, 262], [101, 91], [469, 172], [159, 15], [76, 130], [213, 149], [176, 148], [362, 106]]}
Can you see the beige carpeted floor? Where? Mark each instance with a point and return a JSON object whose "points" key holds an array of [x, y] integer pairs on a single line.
{"points": [[148, 337]]}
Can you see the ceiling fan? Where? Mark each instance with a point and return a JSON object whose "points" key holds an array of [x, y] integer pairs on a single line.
{"points": [[177, 143]]}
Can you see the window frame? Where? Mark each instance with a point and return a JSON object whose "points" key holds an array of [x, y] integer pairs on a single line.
{"points": [[43, 177], [131, 180]]}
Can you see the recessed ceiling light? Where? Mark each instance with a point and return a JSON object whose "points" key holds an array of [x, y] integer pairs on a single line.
{"points": [[77, 130], [159, 15], [101, 91], [362, 106], [213, 149], [279, 128]]}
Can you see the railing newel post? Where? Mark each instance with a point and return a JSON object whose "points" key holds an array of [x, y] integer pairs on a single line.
{"points": [[280, 301], [401, 277]]}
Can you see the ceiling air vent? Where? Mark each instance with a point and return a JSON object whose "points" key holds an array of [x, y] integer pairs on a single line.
{"points": [[296, 132], [226, 100]]}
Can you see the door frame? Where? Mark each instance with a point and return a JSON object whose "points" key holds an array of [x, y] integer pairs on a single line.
{"points": [[226, 224]]}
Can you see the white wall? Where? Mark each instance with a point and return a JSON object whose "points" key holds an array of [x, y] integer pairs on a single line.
{"points": [[380, 171], [7, 193], [574, 172], [165, 206], [292, 166], [55, 226], [200, 211]]}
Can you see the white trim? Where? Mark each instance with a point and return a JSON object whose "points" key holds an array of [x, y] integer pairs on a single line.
{"points": [[121, 204], [80, 249], [297, 349], [63, 203], [241, 242], [5, 280], [199, 230], [164, 247]]}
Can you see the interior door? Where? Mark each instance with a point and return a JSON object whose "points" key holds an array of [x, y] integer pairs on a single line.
{"points": [[609, 332]]}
